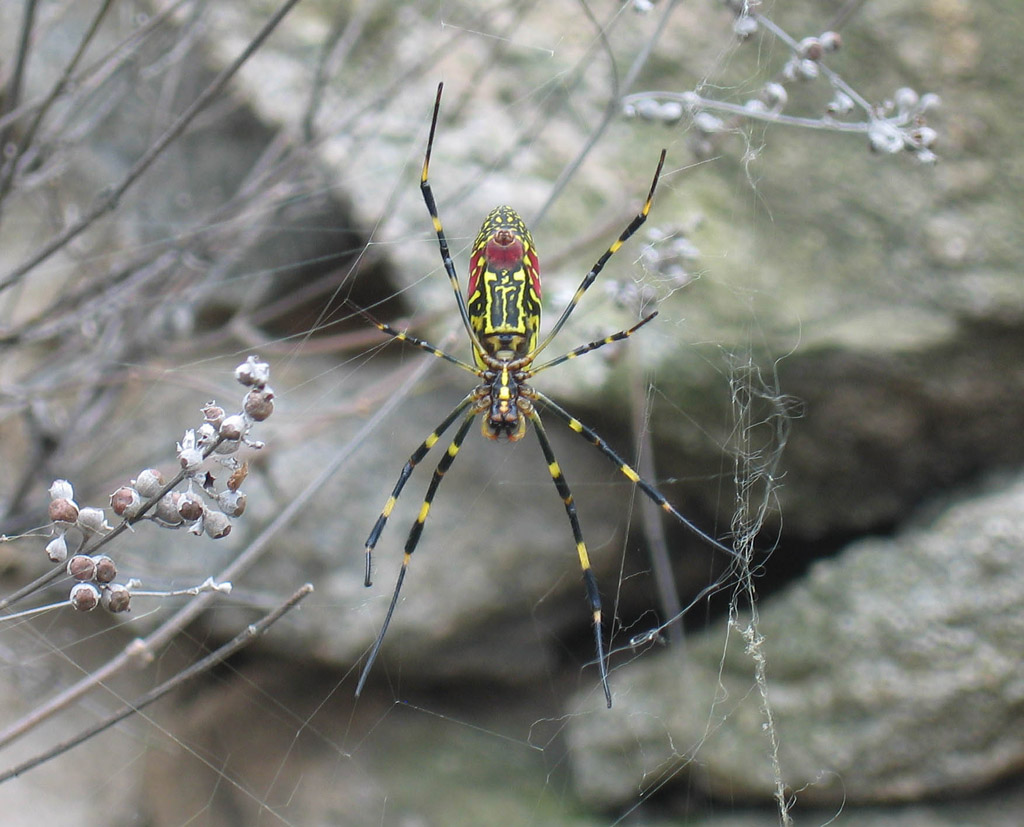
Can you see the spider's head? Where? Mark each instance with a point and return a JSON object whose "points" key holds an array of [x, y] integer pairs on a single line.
{"points": [[503, 417]]}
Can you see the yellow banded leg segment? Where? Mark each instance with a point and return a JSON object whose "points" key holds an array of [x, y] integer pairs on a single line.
{"points": [[403, 478], [589, 581], [442, 241], [417, 527], [402, 336], [627, 470], [607, 340], [590, 277], [435, 482]]}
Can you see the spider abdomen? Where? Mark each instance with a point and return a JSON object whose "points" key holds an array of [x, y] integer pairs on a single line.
{"points": [[504, 287]]}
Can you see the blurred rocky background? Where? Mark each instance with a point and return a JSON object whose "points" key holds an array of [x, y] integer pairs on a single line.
{"points": [[837, 363]]}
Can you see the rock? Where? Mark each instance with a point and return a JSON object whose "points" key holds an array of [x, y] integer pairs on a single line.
{"points": [[893, 674]]}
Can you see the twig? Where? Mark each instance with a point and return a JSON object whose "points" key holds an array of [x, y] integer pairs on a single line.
{"points": [[8, 172], [244, 638], [109, 200], [128, 44], [611, 110], [12, 93], [650, 514]]}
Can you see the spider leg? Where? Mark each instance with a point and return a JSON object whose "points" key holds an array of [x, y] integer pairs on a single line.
{"points": [[590, 582], [417, 527], [588, 279], [607, 340], [442, 241], [407, 470], [627, 471], [420, 343]]}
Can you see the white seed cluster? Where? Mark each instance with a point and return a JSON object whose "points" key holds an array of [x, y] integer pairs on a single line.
{"points": [[893, 126], [193, 499]]}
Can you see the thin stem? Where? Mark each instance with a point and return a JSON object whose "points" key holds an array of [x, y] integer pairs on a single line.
{"points": [[109, 200], [690, 98], [613, 107], [219, 655], [12, 93], [134, 41], [7, 174], [650, 513]]}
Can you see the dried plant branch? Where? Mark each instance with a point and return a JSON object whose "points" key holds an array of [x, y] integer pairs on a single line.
{"points": [[9, 168], [12, 92], [650, 514], [141, 651], [110, 198], [219, 655]]}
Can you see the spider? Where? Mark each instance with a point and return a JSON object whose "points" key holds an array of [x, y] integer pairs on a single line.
{"points": [[501, 315]]}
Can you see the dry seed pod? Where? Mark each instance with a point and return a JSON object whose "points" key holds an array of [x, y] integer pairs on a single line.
{"points": [[232, 502], [149, 482], [259, 404], [126, 502], [116, 598], [63, 511], [84, 597], [253, 373], [106, 570], [214, 414], [82, 567], [216, 524], [93, 519], [57, 549], [190, 506], [233, 427], [61, 490], [166, 510]]}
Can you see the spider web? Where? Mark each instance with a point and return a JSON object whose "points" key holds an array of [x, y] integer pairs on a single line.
{"points": [[477, 710]]}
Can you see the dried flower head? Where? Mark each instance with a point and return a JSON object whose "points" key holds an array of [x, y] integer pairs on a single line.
{"points": [[82, 567], [106, 570], [116, 598], [84, 597], [149, 482], [126, 502], [259, 404]]}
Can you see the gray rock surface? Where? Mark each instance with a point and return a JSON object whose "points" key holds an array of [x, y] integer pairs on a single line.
{"points": [[893, 674]]}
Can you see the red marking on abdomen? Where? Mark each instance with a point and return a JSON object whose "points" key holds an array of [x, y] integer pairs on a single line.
{"points": [[504, 251]]}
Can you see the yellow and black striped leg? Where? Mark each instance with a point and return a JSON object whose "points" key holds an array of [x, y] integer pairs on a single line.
{"points": [[442, 241], [422, 344], [607, 340], [589, 581], [627, 471], [417, 527], [589, 278], [413, 461]]}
